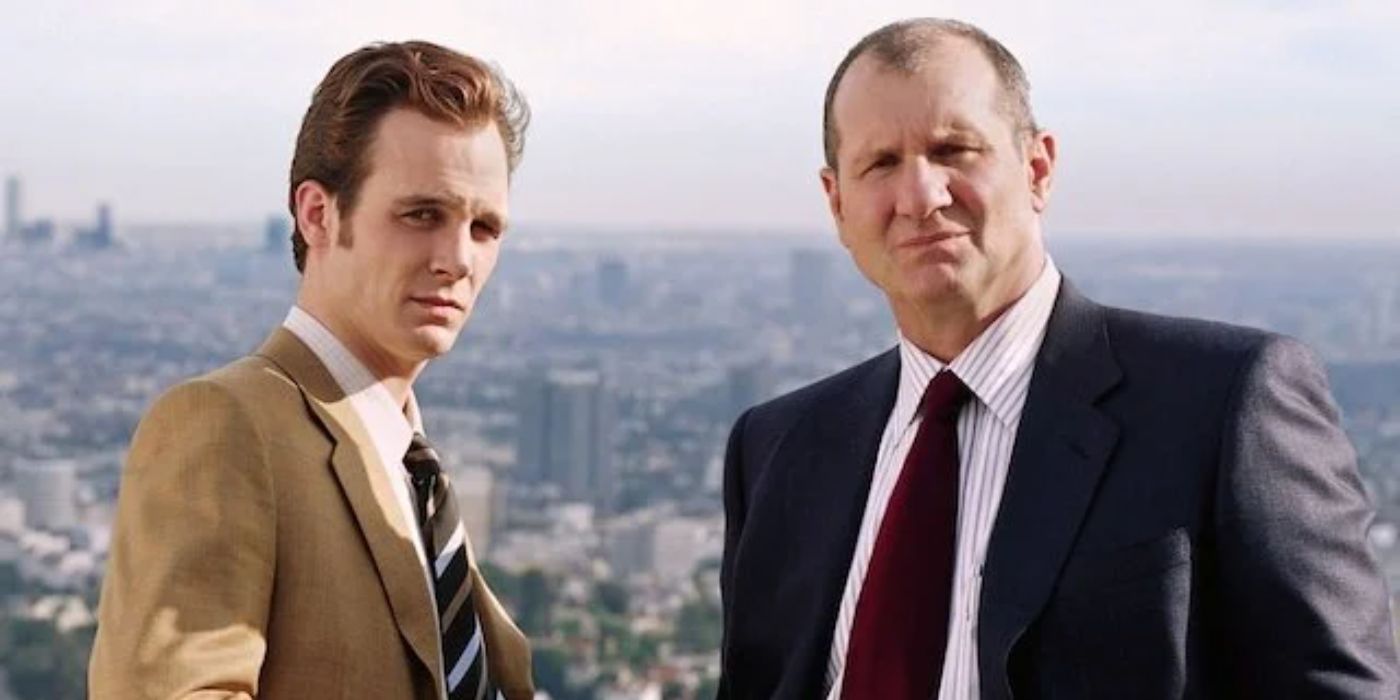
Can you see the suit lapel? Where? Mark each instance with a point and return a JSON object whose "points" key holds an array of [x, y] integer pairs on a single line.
{"points": [[828, 465], [362, 477], [1062, 446]]}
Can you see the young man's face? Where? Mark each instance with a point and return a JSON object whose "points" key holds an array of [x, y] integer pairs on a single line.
{"points": [[407, 263]]}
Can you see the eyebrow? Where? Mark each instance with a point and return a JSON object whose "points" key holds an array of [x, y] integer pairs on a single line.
{"points": [[455, 203], [870, 152]]}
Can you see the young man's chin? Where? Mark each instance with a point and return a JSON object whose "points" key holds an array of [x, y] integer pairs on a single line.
{"points": [[431, 341]]}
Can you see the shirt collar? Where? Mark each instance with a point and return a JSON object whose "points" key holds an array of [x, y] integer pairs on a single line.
{"points": [[390, 426], [996, 363]]}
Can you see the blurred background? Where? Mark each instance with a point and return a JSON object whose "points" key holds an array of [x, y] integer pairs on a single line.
{"points": [[672, 261]]}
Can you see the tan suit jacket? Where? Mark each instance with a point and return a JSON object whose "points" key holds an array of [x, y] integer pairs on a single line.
{"points": [[258, 551]]}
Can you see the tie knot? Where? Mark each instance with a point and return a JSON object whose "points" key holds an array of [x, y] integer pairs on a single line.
{"points": [[945, 396], [421, 460]]}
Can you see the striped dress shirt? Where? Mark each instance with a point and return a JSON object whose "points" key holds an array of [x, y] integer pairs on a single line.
{"points": [[997, 368]]}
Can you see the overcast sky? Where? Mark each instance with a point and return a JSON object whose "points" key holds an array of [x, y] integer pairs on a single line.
{"points": [[1247, 118]]}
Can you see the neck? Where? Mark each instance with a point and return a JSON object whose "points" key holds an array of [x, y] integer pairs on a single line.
{"points": [[396, 375], [399, 388]]}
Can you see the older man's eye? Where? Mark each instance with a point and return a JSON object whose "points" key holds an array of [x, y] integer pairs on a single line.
{"points": [[881, 163], [952, 150]]}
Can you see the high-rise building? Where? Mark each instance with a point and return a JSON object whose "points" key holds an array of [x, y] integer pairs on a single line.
{"points": [[48, 488], [580, 457], [277, 235], [101, 235], [104, 230], [532, 424], [565, 432], [613, 285], [14, 216], [811, 285]]}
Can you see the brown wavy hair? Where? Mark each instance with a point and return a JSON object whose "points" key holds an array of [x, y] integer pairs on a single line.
{"points": [[333, 145]]}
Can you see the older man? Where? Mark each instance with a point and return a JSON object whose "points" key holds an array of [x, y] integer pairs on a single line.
{"points": [[1032, 496]]}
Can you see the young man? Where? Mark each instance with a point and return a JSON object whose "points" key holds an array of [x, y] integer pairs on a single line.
{"points": [[283, 529], [1032, 496]]}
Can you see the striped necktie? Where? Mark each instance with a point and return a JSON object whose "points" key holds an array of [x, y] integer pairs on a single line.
{"points": [[444, 539]]}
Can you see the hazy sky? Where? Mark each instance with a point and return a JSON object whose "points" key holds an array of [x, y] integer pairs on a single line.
{"points": [[1202, 117]]}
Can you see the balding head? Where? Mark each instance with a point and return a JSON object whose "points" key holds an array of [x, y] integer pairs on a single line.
{"points": [[903, 46]]}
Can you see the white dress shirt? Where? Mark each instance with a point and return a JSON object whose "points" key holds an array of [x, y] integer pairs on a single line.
{"points": [[390, 427], [997, 368]]}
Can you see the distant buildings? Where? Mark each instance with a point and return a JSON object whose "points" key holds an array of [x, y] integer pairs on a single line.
{"points": [[746, 385], [48, 489], [613, 287], [1384, 322], [475, 488], [37, 234], [32, 234], [277, 235], [101, 235], [11, 519], [812, 286], [629, 543], [14, 216], [658, 544], [41, 233], [564, 434]]}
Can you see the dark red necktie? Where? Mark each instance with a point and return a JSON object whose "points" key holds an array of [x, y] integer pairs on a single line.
{"points": [[900, 632]]}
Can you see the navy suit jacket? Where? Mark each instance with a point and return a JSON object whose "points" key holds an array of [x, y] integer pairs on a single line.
{"points": [[1182, 518]]}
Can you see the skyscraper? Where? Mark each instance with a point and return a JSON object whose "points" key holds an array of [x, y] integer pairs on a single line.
{"points": [[100, 236], [564, 435], [104, 233], [532, 425], [14, 217]]}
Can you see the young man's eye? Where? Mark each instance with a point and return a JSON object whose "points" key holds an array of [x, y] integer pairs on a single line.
{"points": [[485, 230], [423, 217]]}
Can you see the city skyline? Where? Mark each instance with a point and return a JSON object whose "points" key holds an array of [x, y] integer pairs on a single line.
{"points": [[1241, 119], [643, 355]]}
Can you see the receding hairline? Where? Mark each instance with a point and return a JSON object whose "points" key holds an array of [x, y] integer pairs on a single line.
{"points": [[906, 46]]}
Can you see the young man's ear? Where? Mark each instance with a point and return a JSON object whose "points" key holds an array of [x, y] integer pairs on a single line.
{"points": [[316, 214]]}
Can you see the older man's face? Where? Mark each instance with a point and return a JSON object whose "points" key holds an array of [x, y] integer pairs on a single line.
{"points": [[936, 194]]}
